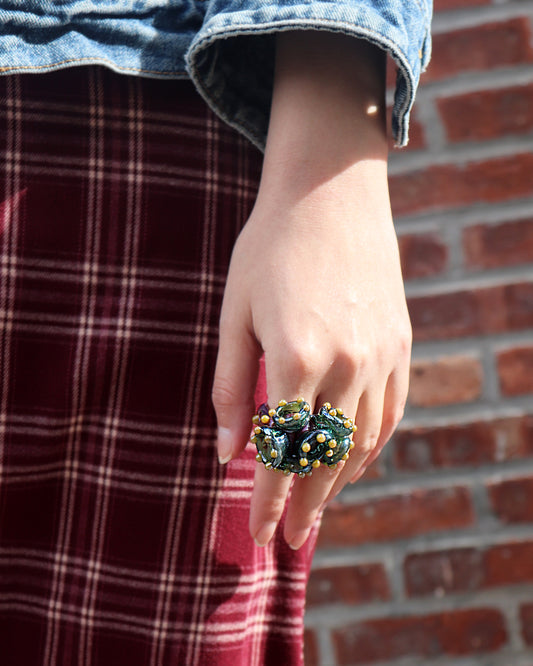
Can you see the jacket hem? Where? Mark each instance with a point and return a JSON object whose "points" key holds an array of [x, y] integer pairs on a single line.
{"points": [[223, 99]]}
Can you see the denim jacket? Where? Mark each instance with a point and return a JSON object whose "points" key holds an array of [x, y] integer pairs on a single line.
{"points": [[225, 46]]}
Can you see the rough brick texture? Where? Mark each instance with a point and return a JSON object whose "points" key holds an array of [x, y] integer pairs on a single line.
{"points": [[422, 255], [464, 445], [445, 572], [487, 114], [479, 48], [310, 648], [445, 381], [512, 500], [397, 516], [526, 615], [498, 245], [515, 369], [449, 186], [453, 633], [351, 585], [476, 311], [440, 528], [441, 5]]}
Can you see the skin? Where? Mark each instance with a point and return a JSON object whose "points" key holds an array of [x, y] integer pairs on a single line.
{"points": [[315, 281]]}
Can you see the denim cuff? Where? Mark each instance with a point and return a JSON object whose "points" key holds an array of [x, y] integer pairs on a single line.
{"points": [[231, 58]]}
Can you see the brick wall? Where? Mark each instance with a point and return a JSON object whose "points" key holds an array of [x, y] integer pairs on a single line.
{"points": [[429, 558]]}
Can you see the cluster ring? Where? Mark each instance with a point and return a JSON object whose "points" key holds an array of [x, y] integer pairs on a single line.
{"points": [[291, 439]]}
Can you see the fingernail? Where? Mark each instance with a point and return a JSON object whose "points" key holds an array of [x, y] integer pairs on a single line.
{"points": [[265, 533], [225, 440], [299, 539]]}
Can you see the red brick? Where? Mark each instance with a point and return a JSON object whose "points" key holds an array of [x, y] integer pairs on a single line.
{"points": [[455, 570], [442, 5], [515, 371], [356, 584], [441, 187], [396, 516], [519, 305], [468, 569], [451, 446], [487, 114], [443, 316], [480, 48], [459, 632], [310, 648], [512, 500], [515, 438], [447, 381], [472, 312], [417, 135], [526, 617], [422, 255], [468, 444], [509, 564], [493, 246]]}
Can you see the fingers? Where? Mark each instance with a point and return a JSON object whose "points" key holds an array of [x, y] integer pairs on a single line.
{"points": [[292, 376], [379, 410], [374, 428], [369, 419], [286, 379], [268, 501], [309, 493], [234, 384], [393, 409], [307, 499]]}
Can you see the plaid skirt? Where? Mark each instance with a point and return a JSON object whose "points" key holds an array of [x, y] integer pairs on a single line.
{"points": [[122, 540]]}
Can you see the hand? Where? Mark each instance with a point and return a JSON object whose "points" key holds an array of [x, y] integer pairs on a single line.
{"points": [[315, 280]]}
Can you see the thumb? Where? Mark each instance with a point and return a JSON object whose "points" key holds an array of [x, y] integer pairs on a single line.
{"points": [[234, 385]]}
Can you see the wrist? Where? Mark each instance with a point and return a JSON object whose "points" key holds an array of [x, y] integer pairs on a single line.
{"points": [[328, 112], [328, 86]]}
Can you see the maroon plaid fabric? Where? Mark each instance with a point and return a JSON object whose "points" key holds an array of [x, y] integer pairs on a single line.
{"points": [[122, 540]]}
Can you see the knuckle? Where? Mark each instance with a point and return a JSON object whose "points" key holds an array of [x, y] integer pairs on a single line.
{"points": [[398, 414], [369, 443], [273, 510], [405, 342], [355, 362], [362, 357], [392, 417], [301, 362], [349, 366]]}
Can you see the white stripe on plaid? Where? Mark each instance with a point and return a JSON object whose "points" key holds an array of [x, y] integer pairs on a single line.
{"points": [[9, 240], [80, 383], [206, 556], [123, 324], [221, 633], [149, 581]]}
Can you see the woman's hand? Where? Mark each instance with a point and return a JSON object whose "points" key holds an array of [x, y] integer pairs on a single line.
{"points": [[315, 279]]}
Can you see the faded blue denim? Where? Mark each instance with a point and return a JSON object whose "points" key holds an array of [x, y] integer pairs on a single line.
{"points": [[225, 46]]}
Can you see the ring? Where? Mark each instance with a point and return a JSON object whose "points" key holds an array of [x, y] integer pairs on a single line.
{"points": [[292, 440]]}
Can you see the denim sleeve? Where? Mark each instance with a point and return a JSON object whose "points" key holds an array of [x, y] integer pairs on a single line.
{"points": [[231, 59]]}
